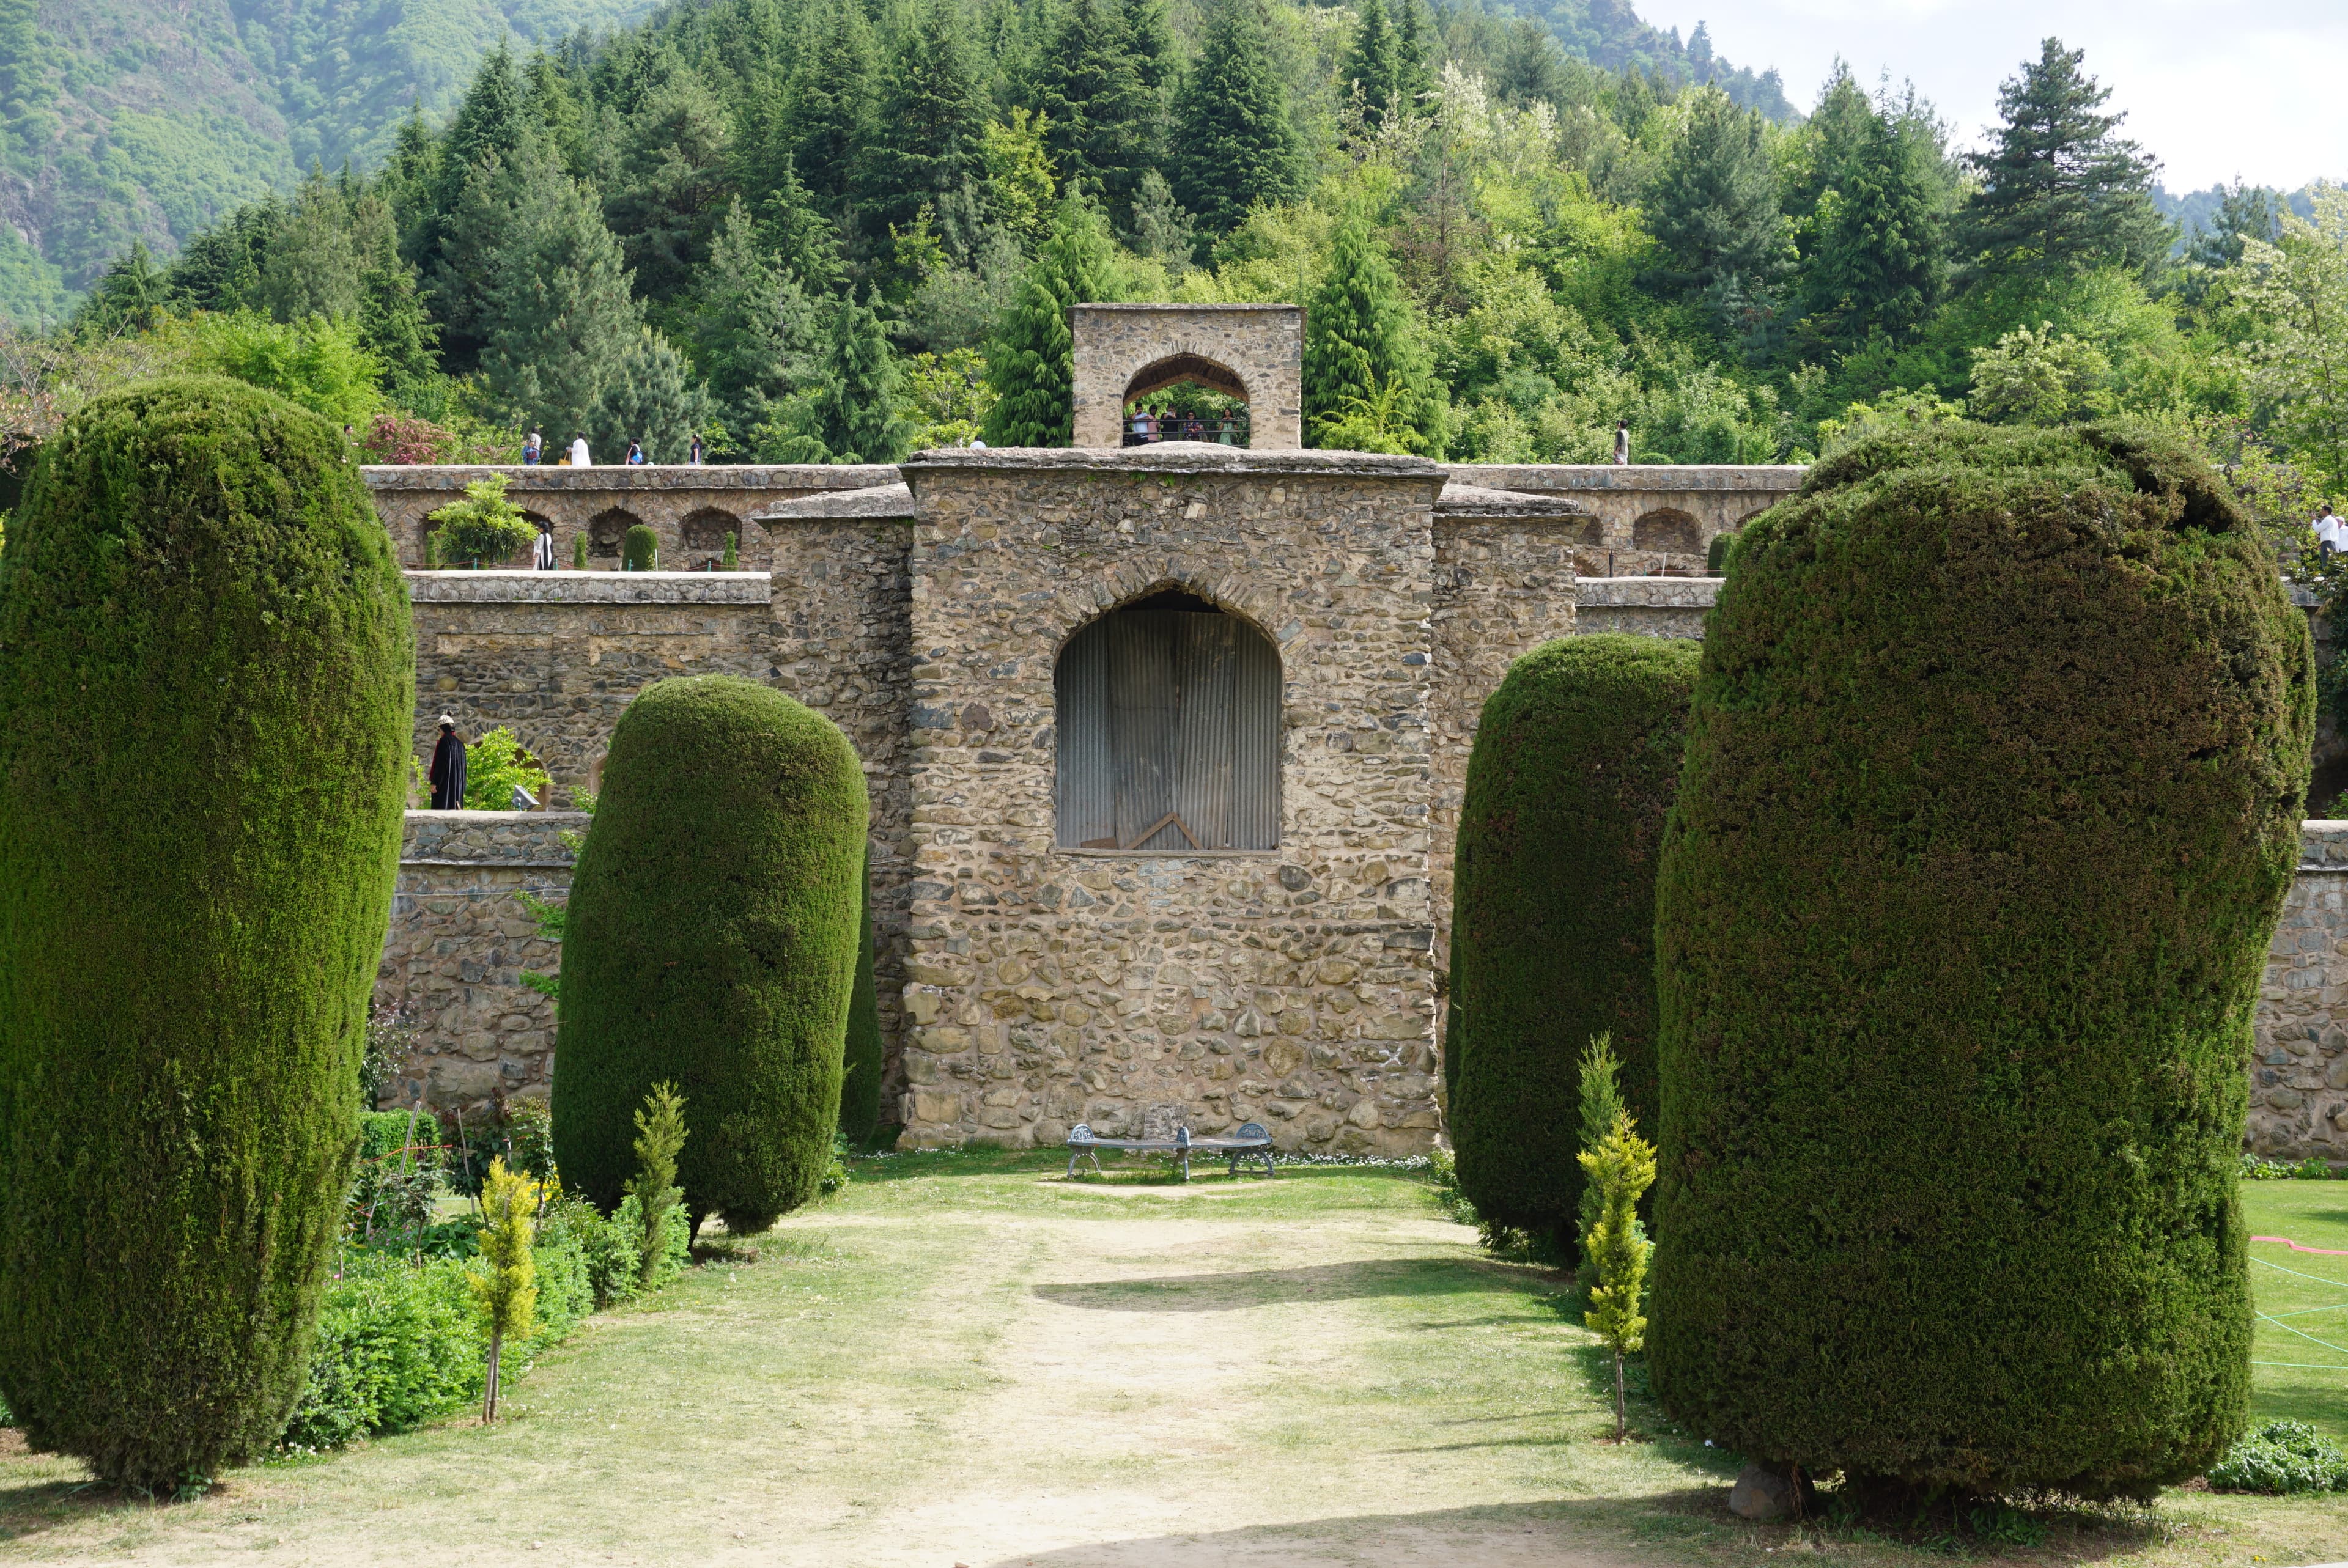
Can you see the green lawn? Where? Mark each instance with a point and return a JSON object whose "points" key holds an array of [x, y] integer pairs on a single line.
{"points": [[965, 1359], [2301, 1350]]}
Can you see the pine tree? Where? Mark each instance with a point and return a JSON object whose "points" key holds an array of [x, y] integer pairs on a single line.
{"points": [[131, 295], [1029, 359], [1239, 148], [931, 118], [674, 164], [1413, 73], [1879, 248], [393, 324], [560, 321], [1532, 66], [489, 126], [829, 123], [1713, 206], [2061, 193], [1106, 123], [2244, 212], [752, 325], [1372, 67], [1367, 376], [649, 395], [313, 267], [856, 407]]}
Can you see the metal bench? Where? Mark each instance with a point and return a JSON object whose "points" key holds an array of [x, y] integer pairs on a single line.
{"points": [[1250, 1143]]}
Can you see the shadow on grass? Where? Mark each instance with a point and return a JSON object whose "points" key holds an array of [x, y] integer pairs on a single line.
{"points": [[1565, 1532], [1243, 1289]]}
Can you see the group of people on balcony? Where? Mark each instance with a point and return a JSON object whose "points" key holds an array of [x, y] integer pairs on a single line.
{"points": [[1143, 426], [534, 451]]}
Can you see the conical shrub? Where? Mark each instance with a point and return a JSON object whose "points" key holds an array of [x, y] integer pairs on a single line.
{"points": [[711, 943], [206, 688], [1576, 755], [1992, 798]]}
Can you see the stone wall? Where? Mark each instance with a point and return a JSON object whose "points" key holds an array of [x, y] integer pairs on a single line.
{"points": [[1259, 349], [459, 938], [1649, 519], [1047, 986], [2299, 1081], [691, 508], [1646, 606]]}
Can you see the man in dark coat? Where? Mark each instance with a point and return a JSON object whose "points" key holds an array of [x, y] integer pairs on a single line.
{"points": [[449, 769]]}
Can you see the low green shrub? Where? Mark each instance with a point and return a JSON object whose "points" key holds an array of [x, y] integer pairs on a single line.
{"points": [[2311, 1169], [640, 550], [2279, 1459], [611, 1247]]}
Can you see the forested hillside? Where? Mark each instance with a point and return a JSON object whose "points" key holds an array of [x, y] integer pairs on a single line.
{"points": [[139, 119], [142, 119], [809, 234]]}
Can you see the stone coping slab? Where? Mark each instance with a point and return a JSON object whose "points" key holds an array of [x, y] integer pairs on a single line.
{"points": [[2323, 845], [1775, 478], [1170, 457], [1459, 500], [591, 586], [880, 503], [1647, 592], [526, 477]]}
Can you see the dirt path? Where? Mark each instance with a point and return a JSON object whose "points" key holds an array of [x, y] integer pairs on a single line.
{"points": [[992, 1368]]}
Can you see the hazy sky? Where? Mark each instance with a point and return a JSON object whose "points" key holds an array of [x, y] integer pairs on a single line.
{"points": [[2212, 89]]}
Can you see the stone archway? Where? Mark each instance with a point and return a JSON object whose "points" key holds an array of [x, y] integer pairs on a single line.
{"points": [[1194, 370], [1253, 353]]}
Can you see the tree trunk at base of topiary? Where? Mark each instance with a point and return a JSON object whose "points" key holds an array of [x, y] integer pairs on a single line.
{"points": [[206, 686], [1992, 798], [1577, 755], [710, 941]]}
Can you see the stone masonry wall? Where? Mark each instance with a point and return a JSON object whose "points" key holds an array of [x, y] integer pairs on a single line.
{"points": [[1046, 987], [459, 938], [2298, 1081], [1632, 507], [1262, 347], [674, 500]]}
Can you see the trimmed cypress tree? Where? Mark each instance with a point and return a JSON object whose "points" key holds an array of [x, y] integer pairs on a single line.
{"points": [[1553, 911], [640, 549], [867, 1057], [711, 942], [207, 677], [1993, 789]]}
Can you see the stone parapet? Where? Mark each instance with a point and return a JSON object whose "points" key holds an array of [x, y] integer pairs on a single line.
{"points": [[590, 587], [1647, 519], [459, 940], [1648, 606], [2299, 1079]]}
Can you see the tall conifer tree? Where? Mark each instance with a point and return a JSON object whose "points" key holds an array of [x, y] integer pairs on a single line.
{"points": [[1107, 125], [1713, 205], [1231, 121], [831, 118], [856, 409], [1029, 360], [1370, 66], [674, 167], [1880, 247], [931, 119], [2061, 193], [560, 321], [1368, 381]]}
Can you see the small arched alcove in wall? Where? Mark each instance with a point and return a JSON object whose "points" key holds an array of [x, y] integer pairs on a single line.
{"points": [[607, 529], [706, 529], [1169, 720], [1670, 530]]}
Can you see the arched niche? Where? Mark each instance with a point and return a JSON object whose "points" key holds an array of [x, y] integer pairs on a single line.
{"points": [[607, 529], [1160, 376], [706, 529], [1168, 711], [1669, 530]]}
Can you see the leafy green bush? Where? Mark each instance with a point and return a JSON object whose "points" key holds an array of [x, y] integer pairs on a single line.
{"points": [[206, 688], [1992, 798], [1576, 758], [484, 527], [2281, 1458], [710, 940], [640, 550], [494, 765]]}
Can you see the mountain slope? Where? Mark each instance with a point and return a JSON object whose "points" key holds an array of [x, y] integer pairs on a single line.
{"points": [[125, 120]]}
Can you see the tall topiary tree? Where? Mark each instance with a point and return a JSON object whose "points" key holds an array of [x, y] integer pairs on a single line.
{"points": [[710, 942], [1553, 911], [206, 684], [867, 1057], [1993, 790]]}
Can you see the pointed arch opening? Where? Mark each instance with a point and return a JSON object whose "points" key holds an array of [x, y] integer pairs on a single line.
{"points": [[1168, 714]]}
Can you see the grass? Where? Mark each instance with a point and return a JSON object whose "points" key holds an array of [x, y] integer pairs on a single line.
{"points": [[2301, 1350], [965, 1359]]}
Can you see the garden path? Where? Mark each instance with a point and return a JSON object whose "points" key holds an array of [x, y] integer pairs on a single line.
{"points": [[966, 1360]]}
